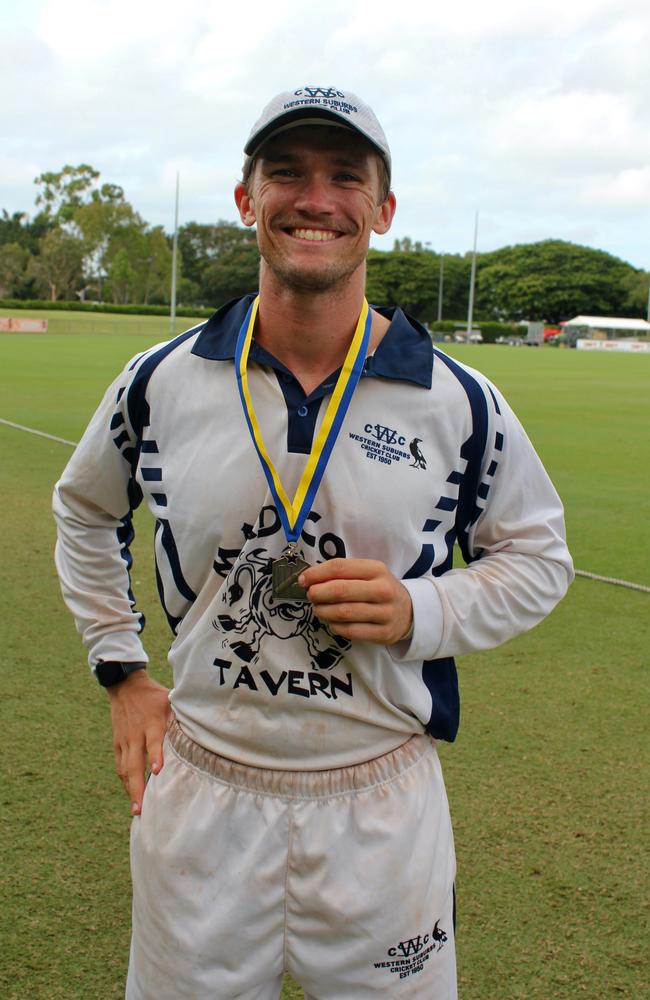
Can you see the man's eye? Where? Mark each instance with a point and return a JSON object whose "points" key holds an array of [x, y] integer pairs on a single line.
{"points": [[283, 172], [347, 178]]}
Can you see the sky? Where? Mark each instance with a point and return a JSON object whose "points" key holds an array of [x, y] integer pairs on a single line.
{"points": [[537, 116]]}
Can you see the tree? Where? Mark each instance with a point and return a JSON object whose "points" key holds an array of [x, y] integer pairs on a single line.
{"points": [[636, 287], [57, 270], [121, 277], [104, 226], [551, 280], [62, 192], [73, 199], [411, 278], [407, 245], [200, 245], [405, 277], [138, 265], [14, 262], [18, 228], [233, 273]]}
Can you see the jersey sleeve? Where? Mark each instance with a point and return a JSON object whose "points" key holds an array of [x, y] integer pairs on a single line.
{"points": [[519, 564], [93, 506]]}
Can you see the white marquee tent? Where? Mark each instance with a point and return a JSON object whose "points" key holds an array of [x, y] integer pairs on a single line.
{"points": [[610, 326]]}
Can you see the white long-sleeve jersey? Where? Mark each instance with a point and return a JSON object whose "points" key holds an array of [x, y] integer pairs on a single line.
{"points": [[429, 454]]}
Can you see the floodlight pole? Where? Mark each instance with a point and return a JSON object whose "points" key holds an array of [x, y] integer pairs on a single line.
{"points": [[172, 316], [440, 285], [472, 279]]}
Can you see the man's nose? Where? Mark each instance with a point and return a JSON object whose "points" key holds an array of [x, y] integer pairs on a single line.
{"points": [[315, 197]]}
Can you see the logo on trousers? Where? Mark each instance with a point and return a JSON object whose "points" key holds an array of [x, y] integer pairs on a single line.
{"points": [[413, 946], [410, 956]]}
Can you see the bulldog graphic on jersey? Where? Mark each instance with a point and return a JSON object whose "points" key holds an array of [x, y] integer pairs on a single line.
{"points": [[253, 614]]}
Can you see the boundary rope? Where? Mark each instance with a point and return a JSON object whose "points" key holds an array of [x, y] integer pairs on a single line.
{"points": [[579, 572], [31, 430], [614, 581]]}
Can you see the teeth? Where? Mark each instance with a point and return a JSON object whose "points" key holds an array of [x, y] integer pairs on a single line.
{"points": [[321, 235]]}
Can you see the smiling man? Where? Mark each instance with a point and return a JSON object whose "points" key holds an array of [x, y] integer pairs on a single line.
{"points": [[310, 463]]}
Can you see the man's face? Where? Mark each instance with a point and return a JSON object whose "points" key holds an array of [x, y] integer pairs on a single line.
{"points": [[313, 195]]}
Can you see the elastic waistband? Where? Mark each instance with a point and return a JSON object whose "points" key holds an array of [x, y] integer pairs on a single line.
{"points": [[301, 784]]}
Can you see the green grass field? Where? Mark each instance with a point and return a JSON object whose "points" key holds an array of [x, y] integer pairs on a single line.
{"points": [[547, 780]]}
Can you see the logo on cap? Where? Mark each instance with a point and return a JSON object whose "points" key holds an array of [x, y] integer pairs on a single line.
{"points": [[318, 92]]}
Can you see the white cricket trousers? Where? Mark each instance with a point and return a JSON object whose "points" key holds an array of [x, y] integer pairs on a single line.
{"points": [[343, 878]]}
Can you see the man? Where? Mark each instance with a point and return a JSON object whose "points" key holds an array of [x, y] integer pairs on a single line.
{"points": [[310, 464]]}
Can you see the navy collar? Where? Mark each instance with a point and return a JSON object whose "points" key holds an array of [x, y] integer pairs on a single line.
{"points": [[404, 354]]}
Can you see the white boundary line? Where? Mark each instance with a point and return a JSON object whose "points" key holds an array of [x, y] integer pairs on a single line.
{"points": [[612, 579], [579, 572], [31, 430]]}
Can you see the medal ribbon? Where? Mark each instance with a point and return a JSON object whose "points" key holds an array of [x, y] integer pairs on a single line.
{"points": [[294, 513]]}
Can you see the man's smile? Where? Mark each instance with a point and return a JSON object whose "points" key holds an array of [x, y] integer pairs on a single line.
{"points": [[316, 235]]}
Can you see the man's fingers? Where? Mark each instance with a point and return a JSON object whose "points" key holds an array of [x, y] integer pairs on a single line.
{"points": [[135, 778], [140, 714], [362, 632], [130, 764], [355, 611], [342, 569], [378, 590], [359, 599], [155, 750]]}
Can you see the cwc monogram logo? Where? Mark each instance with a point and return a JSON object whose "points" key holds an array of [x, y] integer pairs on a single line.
{"points": [[413, 946], [387, 434], [318, 92], [409, 957]]}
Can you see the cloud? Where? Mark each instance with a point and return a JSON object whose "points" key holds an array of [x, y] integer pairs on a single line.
{"points": [[629, 189]]}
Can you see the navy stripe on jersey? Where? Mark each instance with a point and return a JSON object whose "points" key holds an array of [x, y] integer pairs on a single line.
{"points": [[125, 535], [485, 486], [130, 450], [183, 590], [494, 400], [169, 545], [472, 450], [173, 621], [121, 439], [137, 405], [441, 679]]}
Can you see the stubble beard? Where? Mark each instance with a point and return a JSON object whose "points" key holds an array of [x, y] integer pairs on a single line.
{"points": [[300, 279], [317, 280]]}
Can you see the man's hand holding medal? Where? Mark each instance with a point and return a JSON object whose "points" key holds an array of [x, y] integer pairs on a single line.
{"points": [[359, 599]]}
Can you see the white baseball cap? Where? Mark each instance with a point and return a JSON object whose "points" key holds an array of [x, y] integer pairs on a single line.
{"points": [[318, 106]]}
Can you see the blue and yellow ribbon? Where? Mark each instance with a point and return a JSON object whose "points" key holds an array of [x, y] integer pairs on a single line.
{"points": [[293, 514]]}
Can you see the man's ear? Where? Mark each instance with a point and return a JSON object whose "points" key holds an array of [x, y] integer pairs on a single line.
{"points": [[244, 203], [384, 215]]}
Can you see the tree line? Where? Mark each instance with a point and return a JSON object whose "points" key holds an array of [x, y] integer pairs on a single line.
{"points": [[87, 242]]}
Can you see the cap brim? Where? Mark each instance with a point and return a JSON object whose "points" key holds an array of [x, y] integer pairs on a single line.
{"points": [[306, 116]]}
